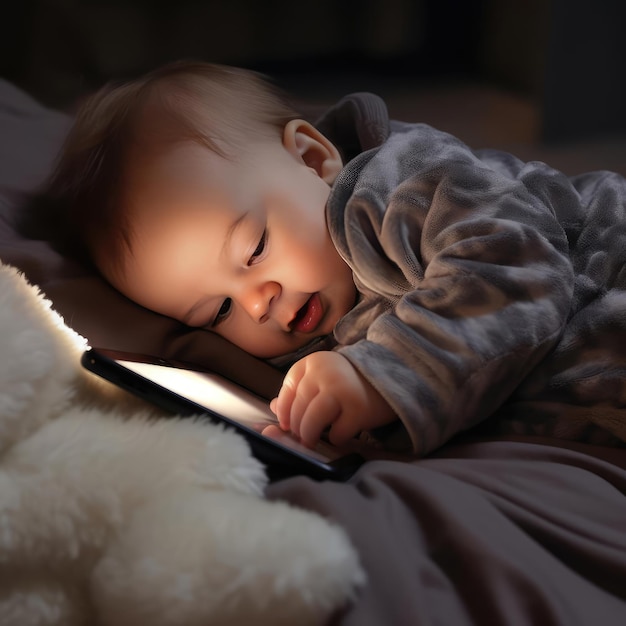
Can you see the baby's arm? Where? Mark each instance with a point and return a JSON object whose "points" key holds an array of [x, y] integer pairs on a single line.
{"points": [[324, 389]]}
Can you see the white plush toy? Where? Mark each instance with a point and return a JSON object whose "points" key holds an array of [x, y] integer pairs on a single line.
{"points": [[111, 515]]}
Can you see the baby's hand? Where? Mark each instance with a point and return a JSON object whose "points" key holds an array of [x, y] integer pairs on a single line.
{"points": [[324, 389]]}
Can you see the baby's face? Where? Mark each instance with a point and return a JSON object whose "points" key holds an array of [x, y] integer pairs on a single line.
{"points": [[239, 247]]}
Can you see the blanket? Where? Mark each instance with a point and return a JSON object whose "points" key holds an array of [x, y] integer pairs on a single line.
{"points": [[509, 532]]}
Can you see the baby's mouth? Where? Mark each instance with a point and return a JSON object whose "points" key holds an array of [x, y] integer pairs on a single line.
{"points": [[308, 316]]}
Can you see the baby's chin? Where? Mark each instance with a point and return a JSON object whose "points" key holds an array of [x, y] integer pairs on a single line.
{"points": [[321, 342]]}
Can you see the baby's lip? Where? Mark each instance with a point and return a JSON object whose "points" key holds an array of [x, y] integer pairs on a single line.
{"points": [[308, 316]]}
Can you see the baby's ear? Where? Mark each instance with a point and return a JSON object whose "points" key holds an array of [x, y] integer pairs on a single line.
{"points": [[308, 145]]}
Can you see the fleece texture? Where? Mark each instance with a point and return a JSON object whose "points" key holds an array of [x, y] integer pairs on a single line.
{"points": [[111, 513]]}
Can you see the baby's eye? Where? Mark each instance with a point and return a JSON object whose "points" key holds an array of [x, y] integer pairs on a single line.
{"points": [[222, 314], [259, 249]]}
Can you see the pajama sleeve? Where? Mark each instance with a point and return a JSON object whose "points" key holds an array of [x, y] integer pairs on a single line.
{"points": [[463, 267]]}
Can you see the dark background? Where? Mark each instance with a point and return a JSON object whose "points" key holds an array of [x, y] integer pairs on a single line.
{"points": [[505, 72]]}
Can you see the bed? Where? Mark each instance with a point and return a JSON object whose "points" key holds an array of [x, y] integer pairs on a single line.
{"points": [[487, 530]]}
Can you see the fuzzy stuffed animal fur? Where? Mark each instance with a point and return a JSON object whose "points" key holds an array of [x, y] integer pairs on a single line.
{"points": [[112, 515]]}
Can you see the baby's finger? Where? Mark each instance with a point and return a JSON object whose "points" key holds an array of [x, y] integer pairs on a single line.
{"points": [[286, 395], [282, 406], [343, 429], [321, 412], [307, 390]]}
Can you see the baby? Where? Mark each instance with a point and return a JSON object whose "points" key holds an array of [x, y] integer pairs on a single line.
{"points": [[446, 275]]}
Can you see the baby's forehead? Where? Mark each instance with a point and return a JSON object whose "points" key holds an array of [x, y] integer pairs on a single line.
{"points": [[182, 177]]}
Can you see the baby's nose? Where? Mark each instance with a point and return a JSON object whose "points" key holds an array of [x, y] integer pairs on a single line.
{"points": [[257, 301]]}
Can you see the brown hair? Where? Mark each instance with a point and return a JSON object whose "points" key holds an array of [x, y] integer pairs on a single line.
{"points": [[217, 106]]}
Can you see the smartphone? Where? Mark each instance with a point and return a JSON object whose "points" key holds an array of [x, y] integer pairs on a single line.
{"points": [[185, 391]]}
